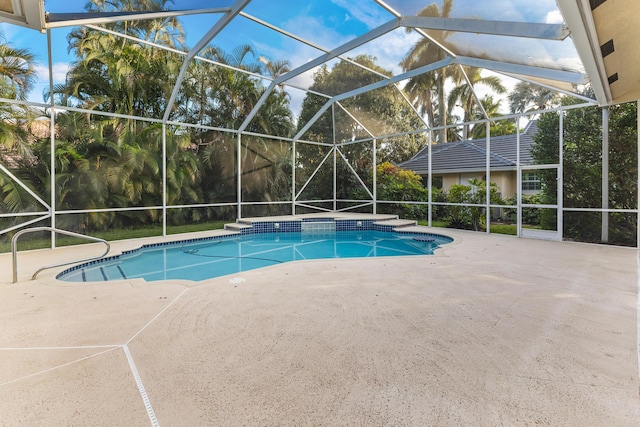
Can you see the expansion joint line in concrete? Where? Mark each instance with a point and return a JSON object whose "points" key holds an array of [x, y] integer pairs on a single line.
{"points": [[141, 389], [108, 349], [134, 369], [156, 316]]}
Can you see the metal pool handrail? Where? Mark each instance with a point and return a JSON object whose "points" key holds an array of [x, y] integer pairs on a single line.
{"points": [[14, 248]]}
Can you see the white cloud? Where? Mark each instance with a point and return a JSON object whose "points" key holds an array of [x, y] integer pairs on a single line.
{"points": [[312, 29], [59, 69], [507, 10], [389, 49], [364, 11], [297, 53], [554, 17]]}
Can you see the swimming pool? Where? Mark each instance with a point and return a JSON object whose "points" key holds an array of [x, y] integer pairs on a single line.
{"points": [[200, 260]]}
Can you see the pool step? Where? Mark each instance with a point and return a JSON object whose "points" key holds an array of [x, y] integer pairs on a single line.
{"points": [[236, 226], [92, 275], [114, 272], [396, 223]]}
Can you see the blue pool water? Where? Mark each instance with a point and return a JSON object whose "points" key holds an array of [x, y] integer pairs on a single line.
{"points": [[199, 260]]}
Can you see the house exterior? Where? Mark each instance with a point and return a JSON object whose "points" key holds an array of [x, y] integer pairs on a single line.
{"points": [[458, 162]]}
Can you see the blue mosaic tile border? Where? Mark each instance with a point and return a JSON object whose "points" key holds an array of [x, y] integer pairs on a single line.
{"points": [[441, 237], [133, 251], [273, 227], [354, 224], [86, 264], [327, 219]]}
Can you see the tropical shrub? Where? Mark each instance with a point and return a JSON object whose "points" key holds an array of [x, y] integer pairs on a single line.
{"points": [[395, 183], [529, 216], [470, 217], [582, 171]]}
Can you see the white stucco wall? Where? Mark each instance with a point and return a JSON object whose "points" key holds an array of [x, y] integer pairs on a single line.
{"points": [[505, 180]]}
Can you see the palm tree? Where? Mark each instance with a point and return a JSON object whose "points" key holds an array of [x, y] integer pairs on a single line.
{"points": [[463, 94], [421, 90], [118, 77], [275, 69], [166, 31], [17, 71], [427, 51], [17, 76], [527, 97], [502, 127], [119, 160]]}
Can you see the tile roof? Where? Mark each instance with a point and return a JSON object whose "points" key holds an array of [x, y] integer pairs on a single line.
{"points": [[470, 155]]}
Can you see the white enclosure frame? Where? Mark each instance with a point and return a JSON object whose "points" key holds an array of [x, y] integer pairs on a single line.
{"points": [[524, 72]]}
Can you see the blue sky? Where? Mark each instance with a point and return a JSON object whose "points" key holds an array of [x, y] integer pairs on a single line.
{"points": [[326, 23]]}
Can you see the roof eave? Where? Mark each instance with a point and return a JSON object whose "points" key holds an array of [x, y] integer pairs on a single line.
{"points": [[469, 170], [578, 17]]}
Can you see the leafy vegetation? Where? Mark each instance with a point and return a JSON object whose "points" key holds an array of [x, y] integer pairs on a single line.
{"points": [[106, 161], [28, 242], [465, 215], [582, 177], [380, 112], [399, 184]]}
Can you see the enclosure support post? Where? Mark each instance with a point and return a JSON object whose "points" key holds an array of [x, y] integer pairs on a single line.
{"points": [[164, 179], [375, 176], [293, 177], [605, 175], [518, 181], [335, 159], [560, 187], [487, 197], [239, 175], [429, 181], [52, 128]]}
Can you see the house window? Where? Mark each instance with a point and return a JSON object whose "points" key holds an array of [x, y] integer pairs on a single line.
{"points": [[531, 181]]}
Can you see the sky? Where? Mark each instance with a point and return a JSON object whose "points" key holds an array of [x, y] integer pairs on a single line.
{"points": [[326, 23]]}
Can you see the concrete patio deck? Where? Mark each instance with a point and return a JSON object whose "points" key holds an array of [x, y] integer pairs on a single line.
{"points": [[492, 330]]}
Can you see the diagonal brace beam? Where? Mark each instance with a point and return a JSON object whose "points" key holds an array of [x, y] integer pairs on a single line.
{"points": [[214, 31], [481, 26], [395, 79], [59, 20], [350, 45], [526, 70]]}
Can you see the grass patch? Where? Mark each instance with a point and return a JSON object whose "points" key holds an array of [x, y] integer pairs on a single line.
{"points": [[498, 228], [434, 223], [192, 228], [510, 229], [37, 241]]}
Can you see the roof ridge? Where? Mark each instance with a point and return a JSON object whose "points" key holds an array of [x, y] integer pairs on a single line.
{"points": [[440, 148], [492, 155], [502, 159], [528, 128]]}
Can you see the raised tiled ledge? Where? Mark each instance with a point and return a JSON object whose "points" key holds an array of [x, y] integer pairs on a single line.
{"points": [[330, 221], [394, 224]]}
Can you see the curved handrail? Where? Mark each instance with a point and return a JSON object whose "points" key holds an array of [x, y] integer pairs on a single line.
{"points": [[14, 249]]}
